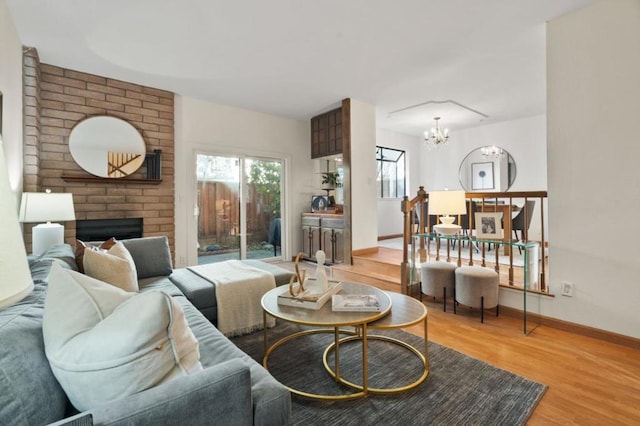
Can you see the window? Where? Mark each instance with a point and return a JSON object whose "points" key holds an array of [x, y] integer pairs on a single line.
{"points": [[239, 205], [391, 177]]}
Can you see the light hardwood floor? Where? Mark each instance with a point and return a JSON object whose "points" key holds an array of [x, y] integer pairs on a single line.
{"points": [[590, 381]]}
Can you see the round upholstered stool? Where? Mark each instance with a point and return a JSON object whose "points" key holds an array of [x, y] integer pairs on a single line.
{"points": [[477, 287], [438, 279]]}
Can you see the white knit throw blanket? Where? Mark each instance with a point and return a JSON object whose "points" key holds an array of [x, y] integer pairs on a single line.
{"points": [[239, 290]]}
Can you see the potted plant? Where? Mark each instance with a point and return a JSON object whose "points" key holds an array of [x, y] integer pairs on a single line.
{"points": [[331, 180]]}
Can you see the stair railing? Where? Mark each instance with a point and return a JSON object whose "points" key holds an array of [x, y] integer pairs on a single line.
{"points": [[417, 222]]}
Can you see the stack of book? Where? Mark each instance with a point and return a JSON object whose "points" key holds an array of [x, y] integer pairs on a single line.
{"points": [[153, 162], [313, 297], [355, 303]]}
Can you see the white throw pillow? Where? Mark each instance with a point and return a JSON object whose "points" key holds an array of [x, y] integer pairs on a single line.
{"points": [[104, 343], [114, 266]]}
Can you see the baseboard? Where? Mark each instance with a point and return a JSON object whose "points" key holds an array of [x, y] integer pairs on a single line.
{"points": [[389, 237], [574, 328], [364, 251]]}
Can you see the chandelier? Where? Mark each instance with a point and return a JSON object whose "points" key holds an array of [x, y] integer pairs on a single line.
{"points": [[436, 138], [492, 152]]}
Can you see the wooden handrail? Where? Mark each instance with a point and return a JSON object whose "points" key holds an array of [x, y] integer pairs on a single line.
{"points": [[408, 209]]}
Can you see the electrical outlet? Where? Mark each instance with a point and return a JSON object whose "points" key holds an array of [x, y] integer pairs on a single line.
{"points": [[567, 288]]}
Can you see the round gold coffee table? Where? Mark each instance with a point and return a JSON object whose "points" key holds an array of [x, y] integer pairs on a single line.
{"points": [[407, 313], [328, 322]]}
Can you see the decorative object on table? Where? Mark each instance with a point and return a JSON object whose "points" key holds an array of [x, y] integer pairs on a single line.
{"points": [[46, 207], [331, 180], [488, 225], [321, 275], [437, 138], [447, 203], [482, 176], [355, 303], [15, 275], [319, 203], [314, 296], [298, 277]]}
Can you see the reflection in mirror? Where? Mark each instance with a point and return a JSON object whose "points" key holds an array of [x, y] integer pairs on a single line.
{"points": [[107, 147], [487, 169]]}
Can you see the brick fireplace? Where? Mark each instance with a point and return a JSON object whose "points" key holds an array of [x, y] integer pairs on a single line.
{"points": [[55, 100]]}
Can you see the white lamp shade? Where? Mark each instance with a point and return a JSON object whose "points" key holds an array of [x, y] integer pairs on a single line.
{"points": [[447, 202], [46, 207], [15, 276]]}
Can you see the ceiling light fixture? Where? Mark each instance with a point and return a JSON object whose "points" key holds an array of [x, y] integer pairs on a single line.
{"points": [[492, 151], [436, 138]]}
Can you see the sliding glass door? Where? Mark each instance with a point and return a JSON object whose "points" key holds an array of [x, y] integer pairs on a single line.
{"points": [[239, 206]]}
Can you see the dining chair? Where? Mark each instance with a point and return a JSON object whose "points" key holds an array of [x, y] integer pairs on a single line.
{"points": [[431, 219], [467, 230], [522, 221]]}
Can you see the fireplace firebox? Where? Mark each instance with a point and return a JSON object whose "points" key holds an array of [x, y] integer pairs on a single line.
{"points": [[103, 229]]}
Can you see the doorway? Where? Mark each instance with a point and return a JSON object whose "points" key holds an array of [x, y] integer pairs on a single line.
{"points": [[239, 207]]}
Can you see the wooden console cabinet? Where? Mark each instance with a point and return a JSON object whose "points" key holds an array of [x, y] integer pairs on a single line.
{"points": [[323, 232]]}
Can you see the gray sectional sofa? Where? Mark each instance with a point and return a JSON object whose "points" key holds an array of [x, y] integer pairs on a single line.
{"points": [[232, 389]]}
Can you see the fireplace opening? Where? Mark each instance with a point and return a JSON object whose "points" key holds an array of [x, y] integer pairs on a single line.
{"points": [[103, 229]]}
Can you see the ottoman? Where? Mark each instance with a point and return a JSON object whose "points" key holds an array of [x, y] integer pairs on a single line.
{"points": [[438, 278], [477, 287], [202, 293]]}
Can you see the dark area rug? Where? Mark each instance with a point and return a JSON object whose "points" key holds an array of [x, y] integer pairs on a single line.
{"points": [[459, 390]]}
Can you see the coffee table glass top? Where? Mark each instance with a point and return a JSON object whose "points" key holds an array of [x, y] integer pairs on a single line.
{"points": [[325, 317]]}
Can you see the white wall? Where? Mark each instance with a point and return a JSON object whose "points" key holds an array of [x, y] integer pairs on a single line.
{"points": [[389, 215], [593, 69], [524, 139], [207, 127], [11, 88], [363, 176]]}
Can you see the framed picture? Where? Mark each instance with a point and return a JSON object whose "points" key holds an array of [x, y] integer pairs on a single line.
{"points": [[488, 225], [319, 203], [482, 175]]}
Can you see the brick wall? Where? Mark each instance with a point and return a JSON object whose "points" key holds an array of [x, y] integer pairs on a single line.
{"points": [[61, 98], [31, 152]]}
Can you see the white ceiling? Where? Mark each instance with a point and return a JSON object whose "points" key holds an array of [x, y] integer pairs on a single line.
{"points": [[297, 58]]}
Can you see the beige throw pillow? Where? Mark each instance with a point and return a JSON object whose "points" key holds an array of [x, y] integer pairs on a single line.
{"points": [[114, 266], [81, 247], [104, 343]]}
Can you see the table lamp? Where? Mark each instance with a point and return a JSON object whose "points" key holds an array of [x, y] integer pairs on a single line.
{"points": [[15, 276], [46, 207], [447, 203]]}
